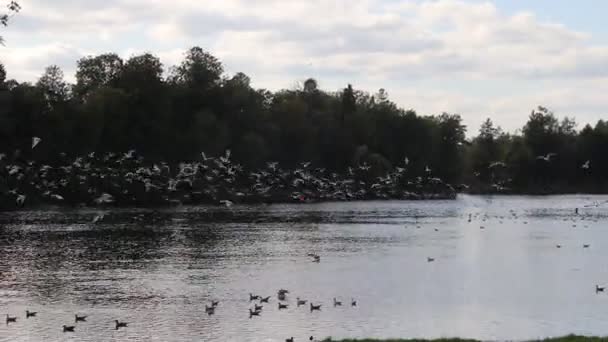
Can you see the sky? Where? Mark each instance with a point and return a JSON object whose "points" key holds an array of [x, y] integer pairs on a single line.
{"points": [[477, 58]]}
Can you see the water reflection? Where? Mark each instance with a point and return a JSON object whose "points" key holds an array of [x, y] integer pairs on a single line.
{"points": [[158, 268]]}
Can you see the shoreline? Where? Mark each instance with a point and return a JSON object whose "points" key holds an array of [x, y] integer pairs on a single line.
{"points": [[569, 338]]}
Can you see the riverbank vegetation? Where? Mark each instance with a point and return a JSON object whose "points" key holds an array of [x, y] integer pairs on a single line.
{"points": [[172, 115]]}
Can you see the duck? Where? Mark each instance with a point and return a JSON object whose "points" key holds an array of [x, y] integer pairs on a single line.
{"points": [[253, 297], [68, 328], [599, 288], [10, 319], [282, 306], [265, 299], [29, 314], [300, 302], [289, 339], [253, 313], [120, 324], [80, 318], [315, 307], [353, 302], [210, 310], [337, 303]]}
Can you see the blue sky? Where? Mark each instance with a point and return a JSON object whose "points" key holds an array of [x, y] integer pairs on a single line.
{"points": [[587, 15], [478, 58]]}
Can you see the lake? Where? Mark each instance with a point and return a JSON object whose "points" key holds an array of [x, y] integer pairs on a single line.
{"points": [[156, 270]]}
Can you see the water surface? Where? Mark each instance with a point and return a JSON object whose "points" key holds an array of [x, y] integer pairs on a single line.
{"points": [[156, 269]]}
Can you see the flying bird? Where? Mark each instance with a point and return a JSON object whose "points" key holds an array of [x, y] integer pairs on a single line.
{"points": [[547, 158], [35, 142], [587, 165]]}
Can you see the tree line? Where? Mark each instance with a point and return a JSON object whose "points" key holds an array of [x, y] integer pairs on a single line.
{"points": [[173, 115]]}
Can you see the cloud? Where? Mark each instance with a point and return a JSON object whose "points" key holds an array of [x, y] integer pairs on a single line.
{"points": [[412, 48]]}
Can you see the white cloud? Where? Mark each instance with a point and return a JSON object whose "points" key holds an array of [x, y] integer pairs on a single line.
{"points": [[370, 43]]}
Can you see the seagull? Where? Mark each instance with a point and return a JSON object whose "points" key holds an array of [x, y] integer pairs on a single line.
{"points": [[20, 200], [547, 158], [35, 142], [104, 199], [226, 203], [497, 164], [587, 165], [98, 218]]}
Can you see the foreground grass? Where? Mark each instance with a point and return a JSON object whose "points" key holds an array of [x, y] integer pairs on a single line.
{"points": [[571, 338]]}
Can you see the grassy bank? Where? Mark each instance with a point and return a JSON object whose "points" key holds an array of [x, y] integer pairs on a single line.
{"points": [[571, 338]]}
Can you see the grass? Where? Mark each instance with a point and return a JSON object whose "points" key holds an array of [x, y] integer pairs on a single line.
{"points": [[570, 338]]}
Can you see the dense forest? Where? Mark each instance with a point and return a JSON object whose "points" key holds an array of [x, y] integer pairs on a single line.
{"points": [[172, 115]]}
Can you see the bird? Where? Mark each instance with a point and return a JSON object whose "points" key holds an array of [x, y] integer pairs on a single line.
{"points": [[315, 307], [253, 313], [289, 339], [300, 302], [282, 306], [10, 319], [35, 142], [599, 288], [558, 246], [80, 318], [253, 297], [226, 203], [120, 324], [265, 299], [353, 302], [210, 310], [68, 328], [20, 200], [29, 314], [258, 307], [215, 303], [429, 259], [586, 165], [337, 303], [586, 245], [98, 218], [547, 158]]}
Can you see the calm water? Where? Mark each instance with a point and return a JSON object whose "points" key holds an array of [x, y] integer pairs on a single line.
{"points": [[158, 269]]}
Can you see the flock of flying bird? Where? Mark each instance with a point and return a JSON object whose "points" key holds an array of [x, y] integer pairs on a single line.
{"points": [[128, 179]]}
